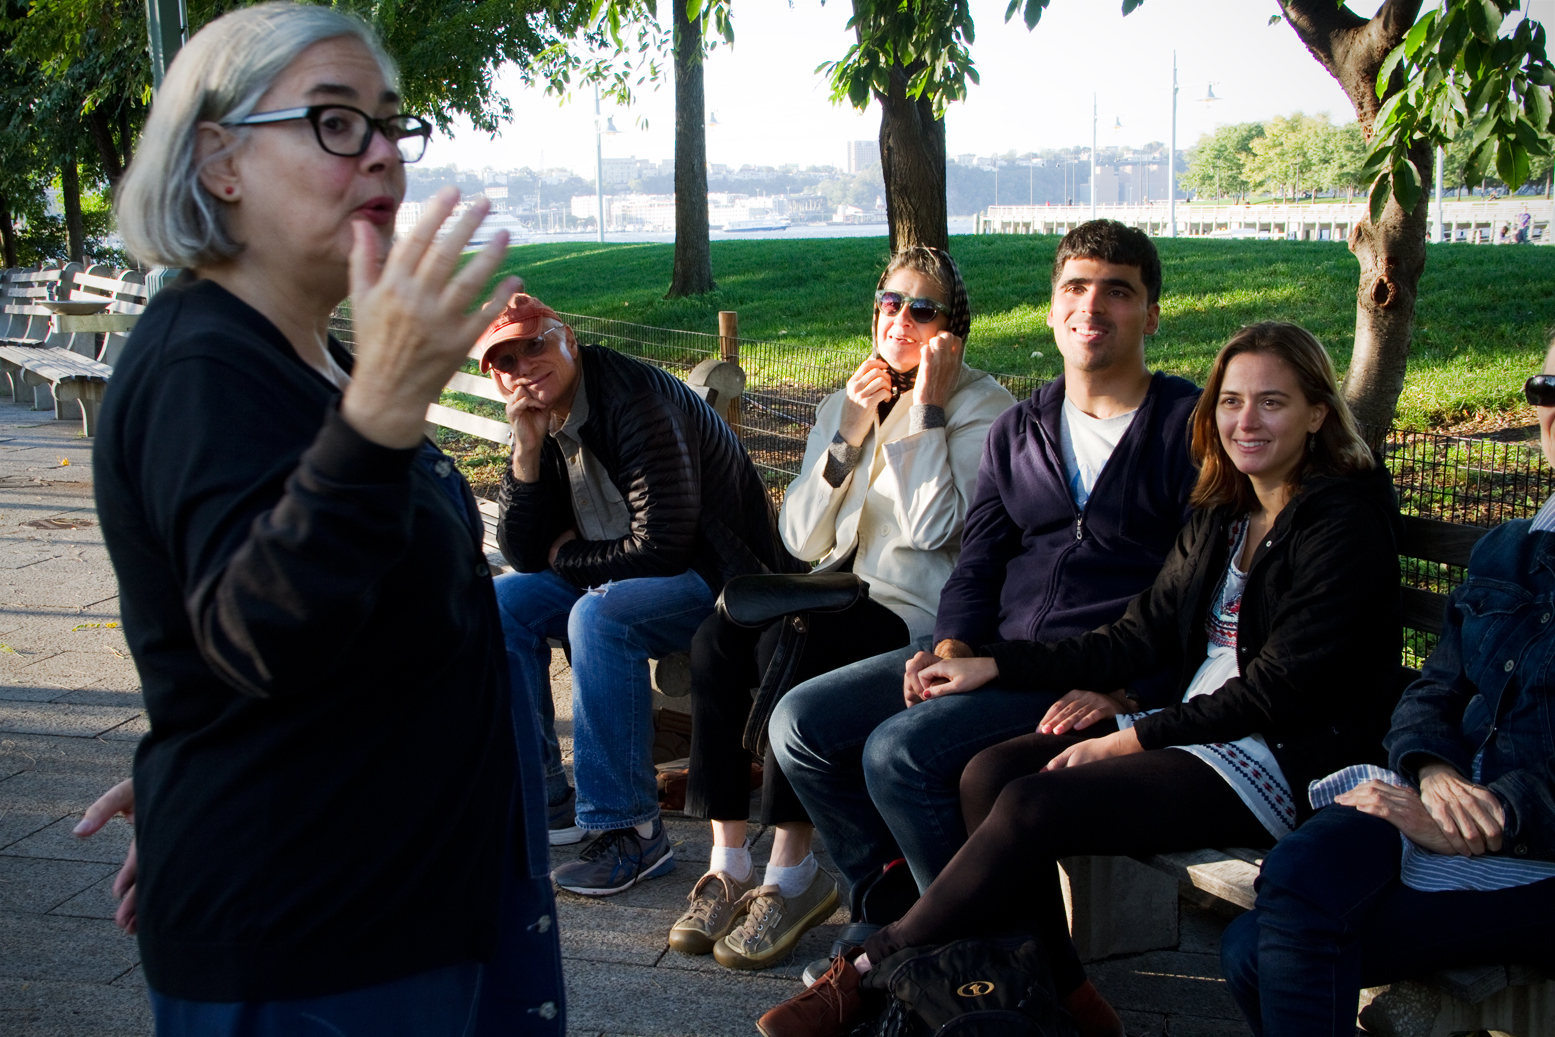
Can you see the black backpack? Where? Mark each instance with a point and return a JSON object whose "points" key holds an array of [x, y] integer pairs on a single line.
{"points": [[970, 988]]}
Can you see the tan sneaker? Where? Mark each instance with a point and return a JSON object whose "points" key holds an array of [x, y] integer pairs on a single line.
{"points": [[717, 902], [773, 923]]}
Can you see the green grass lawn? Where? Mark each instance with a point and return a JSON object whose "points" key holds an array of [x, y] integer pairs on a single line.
{"points": [[1481, 325]]}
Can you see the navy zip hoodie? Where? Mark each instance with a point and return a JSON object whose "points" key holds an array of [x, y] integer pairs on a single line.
{"points": [[1033, 566]]}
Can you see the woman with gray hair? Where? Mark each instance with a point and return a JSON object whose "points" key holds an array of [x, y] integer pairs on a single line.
{"points": [[303, 584]]}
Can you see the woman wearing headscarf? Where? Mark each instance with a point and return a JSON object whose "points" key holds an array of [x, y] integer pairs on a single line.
{"points": [[889, 468]]}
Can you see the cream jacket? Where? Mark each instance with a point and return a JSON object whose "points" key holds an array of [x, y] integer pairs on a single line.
{"points": [[903, 505]]}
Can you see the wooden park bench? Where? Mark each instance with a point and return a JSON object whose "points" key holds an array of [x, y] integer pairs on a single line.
{"points": [[1122, 905], [55, 356]]}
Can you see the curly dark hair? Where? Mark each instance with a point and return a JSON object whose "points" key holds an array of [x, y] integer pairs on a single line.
{"points": [[1112, 242]]}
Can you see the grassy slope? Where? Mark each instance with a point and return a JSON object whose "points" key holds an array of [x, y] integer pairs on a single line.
{"points": [[1480, 326]]}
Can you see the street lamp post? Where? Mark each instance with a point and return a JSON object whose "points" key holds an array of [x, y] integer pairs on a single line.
{"points": [[599, 166], [1093, 156], [1171, 159]]}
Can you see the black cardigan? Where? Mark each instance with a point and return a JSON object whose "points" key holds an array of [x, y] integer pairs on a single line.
{"points": [[695, 499], [1318, 638], [321, 800]]}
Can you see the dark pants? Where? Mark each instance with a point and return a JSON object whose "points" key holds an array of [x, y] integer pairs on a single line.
{"points": [[880, 780], [437, 1003], [1333, 917], [1022, 821], [727, 663]]}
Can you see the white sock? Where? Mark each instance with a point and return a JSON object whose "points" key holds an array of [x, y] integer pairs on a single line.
{"points": [[645, 829], [791, 881], [734, 861]]}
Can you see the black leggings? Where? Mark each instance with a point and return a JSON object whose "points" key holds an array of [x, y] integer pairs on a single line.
{"points": [[1022, 821], [727, 662]]}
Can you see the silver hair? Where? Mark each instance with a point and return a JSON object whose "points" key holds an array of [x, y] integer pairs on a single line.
{"points": [[164, 213]]}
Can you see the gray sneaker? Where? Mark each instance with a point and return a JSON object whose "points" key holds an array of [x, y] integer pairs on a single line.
{"points": [[773, 923], [712, 914], [617, 860]]}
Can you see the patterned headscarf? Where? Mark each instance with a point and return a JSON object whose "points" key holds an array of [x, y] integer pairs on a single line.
{"points": [[935, 263]]}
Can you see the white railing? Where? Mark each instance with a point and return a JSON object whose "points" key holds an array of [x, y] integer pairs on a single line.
{"points": [[1476, 220]]}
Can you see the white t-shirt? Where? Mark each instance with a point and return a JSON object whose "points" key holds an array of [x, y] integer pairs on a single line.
{"points": [[1087, 443]]}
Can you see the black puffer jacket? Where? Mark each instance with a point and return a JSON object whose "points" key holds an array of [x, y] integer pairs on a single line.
{"points": [[1318, 638], [695, 499]]}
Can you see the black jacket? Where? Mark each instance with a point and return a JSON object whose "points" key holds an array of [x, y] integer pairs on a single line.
{"points": [[1318, 638], [1033, 567], [695, 499], [322, 799]]}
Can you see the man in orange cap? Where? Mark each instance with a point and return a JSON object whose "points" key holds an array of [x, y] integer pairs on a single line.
{"points": [[627, 504]]}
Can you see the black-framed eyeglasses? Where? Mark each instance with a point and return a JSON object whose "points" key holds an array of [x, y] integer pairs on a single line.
{"points": [[528, 348], [1540, 390], [346, 131], [922, 311]]}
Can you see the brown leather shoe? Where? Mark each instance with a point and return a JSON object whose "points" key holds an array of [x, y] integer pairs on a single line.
{"points": [[826, 1009], [1092, 1015]]}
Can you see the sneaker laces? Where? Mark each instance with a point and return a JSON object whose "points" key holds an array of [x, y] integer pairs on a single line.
{"points": [[704, 908], [761, 904], [610, 842]]}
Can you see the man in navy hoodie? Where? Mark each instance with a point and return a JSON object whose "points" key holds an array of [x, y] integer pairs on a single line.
{"points": [[1080, 495]]}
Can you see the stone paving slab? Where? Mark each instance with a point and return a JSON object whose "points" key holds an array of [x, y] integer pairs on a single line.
{"points": [[71, 713]]}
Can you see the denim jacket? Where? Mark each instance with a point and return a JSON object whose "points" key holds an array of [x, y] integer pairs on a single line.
{"points": [[1483, 701]]}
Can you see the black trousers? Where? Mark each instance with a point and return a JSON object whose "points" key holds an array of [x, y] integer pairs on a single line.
{"points": [[727, 663], [1022, 821]]}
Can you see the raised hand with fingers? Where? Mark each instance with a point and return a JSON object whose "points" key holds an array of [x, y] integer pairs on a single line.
{"points": [[118, 800], [939, 368], [868, 387], [413, 320]]}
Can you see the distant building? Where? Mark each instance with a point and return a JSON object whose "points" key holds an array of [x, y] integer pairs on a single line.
{"points": [[862, 154]]}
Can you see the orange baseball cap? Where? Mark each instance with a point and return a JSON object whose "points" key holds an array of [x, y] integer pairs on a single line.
{"points": [[522, 318]]}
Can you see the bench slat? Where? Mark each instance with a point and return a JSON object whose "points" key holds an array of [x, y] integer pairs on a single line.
{"points": [[1438, 541], [54, 362], [1423, 610], [1216, 872], [474, 386], [470, 424]]}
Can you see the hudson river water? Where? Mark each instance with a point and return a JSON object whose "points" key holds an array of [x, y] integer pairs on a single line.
{"points": [[958, 225]]}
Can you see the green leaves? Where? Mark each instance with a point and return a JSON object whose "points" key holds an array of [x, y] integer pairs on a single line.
{"points": [[1454, 77]]}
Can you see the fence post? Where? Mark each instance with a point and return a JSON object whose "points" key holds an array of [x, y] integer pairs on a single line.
{"points": [[729, 349]]}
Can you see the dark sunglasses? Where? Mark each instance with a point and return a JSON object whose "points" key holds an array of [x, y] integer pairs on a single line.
{"points": [[1540, 390], [528, 348], [346, 131], [922, 311]]}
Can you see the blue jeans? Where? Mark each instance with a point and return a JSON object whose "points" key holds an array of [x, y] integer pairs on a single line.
{"points": [[614, 630], [437, 1003], [1332, 917], [881, 781]]}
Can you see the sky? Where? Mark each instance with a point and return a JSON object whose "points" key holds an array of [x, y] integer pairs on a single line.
{"points": [[1036, 92]]}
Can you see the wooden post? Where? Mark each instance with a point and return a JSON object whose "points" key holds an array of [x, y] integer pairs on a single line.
{"points": [[729, 349]]}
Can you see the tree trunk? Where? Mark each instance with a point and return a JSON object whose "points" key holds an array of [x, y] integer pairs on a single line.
{"points": [[101, 131], [912, 160], [70, 200], [1392, 252], [693, 273], [1392, 257], [7, 234]]}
